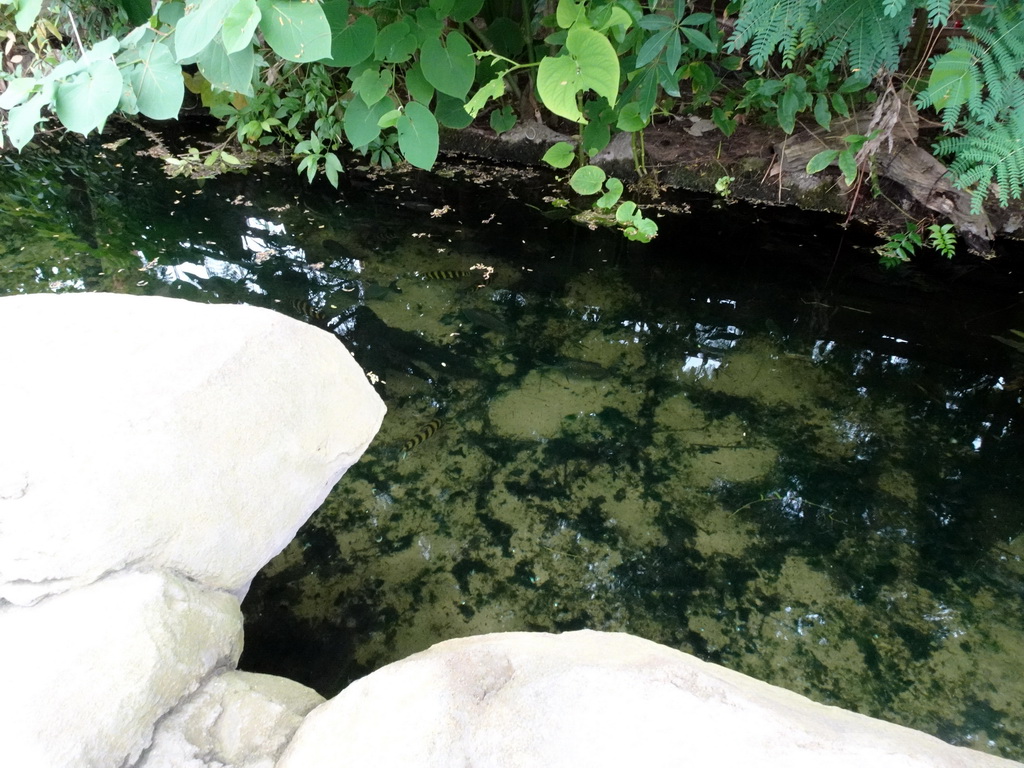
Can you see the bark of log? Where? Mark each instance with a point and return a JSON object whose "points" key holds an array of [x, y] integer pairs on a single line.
{"points": [[899, 159]]}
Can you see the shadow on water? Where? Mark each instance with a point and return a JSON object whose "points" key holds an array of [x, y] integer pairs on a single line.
{"points": [[745, 441]]}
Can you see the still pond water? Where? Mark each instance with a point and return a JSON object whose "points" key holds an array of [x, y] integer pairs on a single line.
{"points": [[745, 440]]}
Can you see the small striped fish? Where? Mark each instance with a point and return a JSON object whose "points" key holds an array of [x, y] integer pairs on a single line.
{"points": [[445, 274], [428, 429], [303, 307]]}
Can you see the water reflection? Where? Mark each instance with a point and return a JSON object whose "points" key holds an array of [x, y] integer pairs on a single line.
{"points": [[805, 470]]}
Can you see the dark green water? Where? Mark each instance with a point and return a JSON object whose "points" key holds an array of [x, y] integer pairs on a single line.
{"points": [[744, 441]]}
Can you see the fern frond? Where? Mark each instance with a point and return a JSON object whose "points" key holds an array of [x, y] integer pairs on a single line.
{"points": [[771, 25], [981, 72], [938, 12], [893, 7], [860, 31], [987, 154]]}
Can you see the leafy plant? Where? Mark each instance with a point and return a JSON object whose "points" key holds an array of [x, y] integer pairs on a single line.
{"points": [[977, 86], [942, 237], [867, 34], [846, 158], [899, 247]]}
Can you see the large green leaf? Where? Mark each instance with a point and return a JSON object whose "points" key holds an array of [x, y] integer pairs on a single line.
{"points": [[395, 43], [197, 29], [373, 84], [597, 61], [418, 135], [953, 81], [449, 67], [85, 101], [228, 72], [426, 25], [26, 15], [589, 63], [464, 10], [297, 31], [442, 7], [560, 155], [17, 91], [587, 180], [157, 82], [493, 89], [351, 44], [451, 112], [568, 12], [239, 25], [361, 121], [558, 82], [22, 119], [138, 11], [417, 86]]}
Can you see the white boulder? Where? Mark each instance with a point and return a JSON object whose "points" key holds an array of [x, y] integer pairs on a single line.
{"points": [[592, 699], [237, 719], [155, 454], [160, 433], [86, 674]]}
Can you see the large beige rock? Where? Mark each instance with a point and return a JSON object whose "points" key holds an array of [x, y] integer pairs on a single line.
{"points": [[236, 720], [592, 699], [86, 674], [161, 433]]}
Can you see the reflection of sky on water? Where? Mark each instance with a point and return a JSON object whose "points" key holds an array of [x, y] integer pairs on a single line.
{"points": [[701, 366], [193, 272], [717, 336]]}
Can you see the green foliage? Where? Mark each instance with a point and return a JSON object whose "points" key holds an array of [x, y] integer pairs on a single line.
{"points": [[449, 65], [560, 155], [783, 100], [587, 180], [899, 247], [382, 76], [987, 153], [296, 31], [867, 34], [980, 73], [942, 238], [978, 88], [846, 158], [589, 62]]}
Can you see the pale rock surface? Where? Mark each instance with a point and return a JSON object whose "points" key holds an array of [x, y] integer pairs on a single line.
{"points": [[86, 674], [161, 433], [595, 700], [236, 720]]}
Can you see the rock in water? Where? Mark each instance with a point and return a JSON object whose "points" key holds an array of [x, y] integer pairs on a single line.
{"points": [[594, 699], [166, 434]]}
